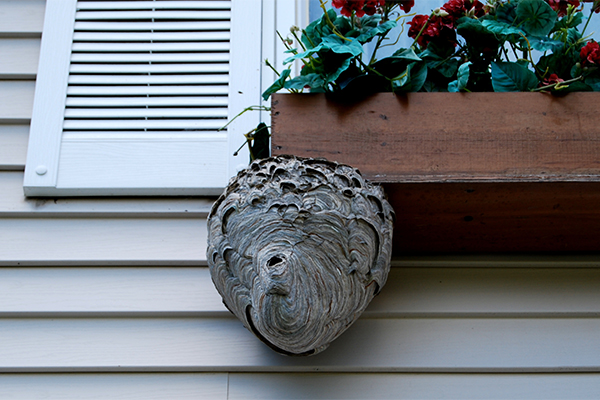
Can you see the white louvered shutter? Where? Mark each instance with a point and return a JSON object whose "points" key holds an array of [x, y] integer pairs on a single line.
{"points": [[130, 96]]}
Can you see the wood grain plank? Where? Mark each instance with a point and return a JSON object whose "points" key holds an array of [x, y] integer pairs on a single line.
{"points": [[16, 101], [19, 58], [101, 241], [429, 137], [22, 18], [13, 148], [183, 386], [412, 386], [14, 204], [376, 345], [496, 217], [476, 172]]}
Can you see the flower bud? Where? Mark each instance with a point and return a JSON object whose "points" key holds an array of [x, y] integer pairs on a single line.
{"points": [[440, 13], [294, 28]]}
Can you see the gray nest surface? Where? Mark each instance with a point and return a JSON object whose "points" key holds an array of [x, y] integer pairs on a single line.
{"points": [[297, 248]]}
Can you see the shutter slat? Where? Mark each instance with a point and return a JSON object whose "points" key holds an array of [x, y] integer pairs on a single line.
{"points": [[147, 79], [192, 26], [142, 5], [170, 101], [146, 112], [202, 124], [147, 47], [154, 136], [148, 36], [149, 15], [146, 90], [148, 68], [145, 57], [144, 67]]}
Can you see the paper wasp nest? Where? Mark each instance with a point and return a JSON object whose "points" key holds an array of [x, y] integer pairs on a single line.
{"points": [[297, 248]]}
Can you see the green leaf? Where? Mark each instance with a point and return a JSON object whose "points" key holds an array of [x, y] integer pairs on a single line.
{"points": [[332, 43], [512, 77], [336, 74], [312, 34], [507, 11], [277, 85], [578, 86], [447, 67], [359, 86], [565, 23], [536, 17], [559, 64], [544, 43], [412, 79], [340, 46], [468, 27], [406, 54], [342, 25], [370, 21], [463, 78], [573, 35], [302, 81], [593, 82], [305, 54], [396, 65], [380, 30], [501, 28]]}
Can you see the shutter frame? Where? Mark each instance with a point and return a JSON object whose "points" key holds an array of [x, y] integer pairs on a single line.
{"points": [[47, 117], [72, 163]]}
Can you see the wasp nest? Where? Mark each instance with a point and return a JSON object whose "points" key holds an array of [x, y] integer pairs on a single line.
{"points": [[297, 248]]}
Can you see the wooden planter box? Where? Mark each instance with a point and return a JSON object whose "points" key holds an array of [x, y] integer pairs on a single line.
{"points": [[476, 172]]}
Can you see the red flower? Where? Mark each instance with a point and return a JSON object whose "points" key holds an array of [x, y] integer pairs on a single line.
{"points": [[553, 79], [373, 6], [358, 7], [416, 25], [590, 54], [406, 5], [560, 6], [438, 29], [350, 6], [459, 8]]}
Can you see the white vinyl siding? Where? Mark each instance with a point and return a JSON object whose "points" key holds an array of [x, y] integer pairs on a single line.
{"points": [[110, 298]]}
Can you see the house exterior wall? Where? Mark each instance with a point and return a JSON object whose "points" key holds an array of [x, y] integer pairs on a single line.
{"points": [[111, 298]]}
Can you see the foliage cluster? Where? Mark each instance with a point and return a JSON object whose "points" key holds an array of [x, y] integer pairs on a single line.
{"points": [[465, 45]]}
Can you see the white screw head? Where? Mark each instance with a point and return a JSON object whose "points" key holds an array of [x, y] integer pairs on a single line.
{"points": [[41, 169]]}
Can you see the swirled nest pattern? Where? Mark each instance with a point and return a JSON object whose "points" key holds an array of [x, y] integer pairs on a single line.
{"points": [[297, 248]]}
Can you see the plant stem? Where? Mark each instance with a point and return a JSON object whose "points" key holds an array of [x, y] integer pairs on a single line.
{"points": [[368, 68], [588, 21], [420, 32], [330, 23], [251, 108], [268, 64], [372, 60], [554, 85]]}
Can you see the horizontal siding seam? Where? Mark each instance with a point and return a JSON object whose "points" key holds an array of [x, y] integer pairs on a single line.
{"points": [[92, 214], [300, 369], [103, 263]]}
